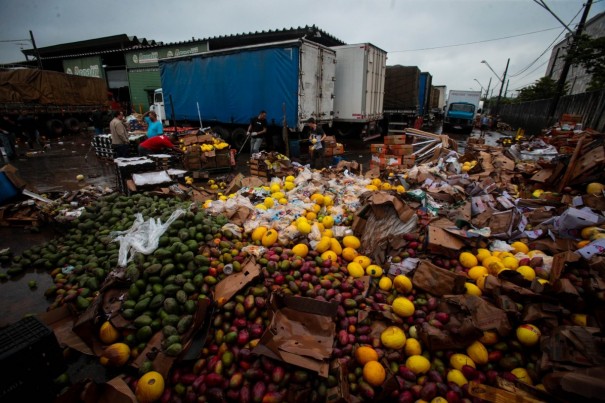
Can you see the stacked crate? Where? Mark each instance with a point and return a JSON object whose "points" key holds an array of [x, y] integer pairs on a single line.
{"points": [[393, 153], [102, 146], [125, 167], [163, 162], [332, 147], [196, 158], [271, 164]]}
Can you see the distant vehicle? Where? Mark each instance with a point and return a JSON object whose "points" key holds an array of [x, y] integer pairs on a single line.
{"points": [[460, 111], [401, 98], [58, 102]]}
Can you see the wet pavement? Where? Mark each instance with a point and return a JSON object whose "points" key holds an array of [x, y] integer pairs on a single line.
{"points": [[55, 169]]}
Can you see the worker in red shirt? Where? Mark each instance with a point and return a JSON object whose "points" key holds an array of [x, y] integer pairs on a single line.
{"points": [[157, 144]]}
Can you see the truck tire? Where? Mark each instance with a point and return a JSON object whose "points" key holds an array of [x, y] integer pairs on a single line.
{"points": [[238, 137], [72, 125], [55, 127], [222, 132]]}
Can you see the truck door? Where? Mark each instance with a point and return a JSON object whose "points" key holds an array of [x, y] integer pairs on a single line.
{"points": [[158, 105]]}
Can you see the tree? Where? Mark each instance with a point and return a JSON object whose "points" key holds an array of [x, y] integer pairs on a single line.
{"points": [[589, 53], [544, 88]]}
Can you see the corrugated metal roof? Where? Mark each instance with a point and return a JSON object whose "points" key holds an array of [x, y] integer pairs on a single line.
{"points": [[123, 43]]}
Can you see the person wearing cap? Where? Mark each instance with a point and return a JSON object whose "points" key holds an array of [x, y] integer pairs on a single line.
{"points": [[156, 145], [257, 130], [316, 137]]}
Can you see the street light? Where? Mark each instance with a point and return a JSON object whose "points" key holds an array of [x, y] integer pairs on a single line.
{"points": [[479, 84], [501, 81]]}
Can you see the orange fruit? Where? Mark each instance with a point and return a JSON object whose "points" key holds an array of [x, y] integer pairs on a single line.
{"points": [[365, 354], [374, 373]]}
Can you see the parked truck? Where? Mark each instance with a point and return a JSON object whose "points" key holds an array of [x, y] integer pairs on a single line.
{"points": [[292, 81], [401, 98], [59, 103], [461, 109], [359, 90]]}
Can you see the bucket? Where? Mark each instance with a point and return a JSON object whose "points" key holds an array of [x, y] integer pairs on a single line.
{"points": [[7, 189], [294, 148]]}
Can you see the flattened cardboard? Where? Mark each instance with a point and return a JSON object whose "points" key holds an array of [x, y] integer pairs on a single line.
{"points": [[437, 281], [441, 242], [485, 315], [231, 284], [301, 332], [572, 221], [61, 321]]}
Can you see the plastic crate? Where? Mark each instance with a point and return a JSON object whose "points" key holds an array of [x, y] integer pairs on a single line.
{"points": [[30, 359]]}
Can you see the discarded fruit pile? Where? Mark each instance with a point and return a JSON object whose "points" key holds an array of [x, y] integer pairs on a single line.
{"points": [[317, 288]]}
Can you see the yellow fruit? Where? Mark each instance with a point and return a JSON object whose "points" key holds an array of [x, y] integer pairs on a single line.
{"points": [[403, 307], [374, 373], [589, 232], [472, 289], [385, 186], [323, 245], [278, 195], [579, 319], [489, 260], [543, 281], [283, 201], [402, 284], [108, 333], [355, 270], [328, 221], [316, 208], [300, 250], [459, 360], [489, 337], [522, 375], [457, 377], [495, 267], [351, 241], [328, 233], [528, 334], [400, 189], [372, 188], [290, 178], [533, 253], [385, 284], [582, 243], [365, 354], [476, 271], [502, 255], [393, 337], [374, 270], [349, 254], [376, 182], [288, 186], [258, 233], [269, 238], [481, 282], [467, 260], [115, 355], [303, 227], [537, 193], [418, 364], [259, 206], [520, 247], [328, 201], [482, 254], [275, 188], [335, 246], [320, 226], [527, 272], [364, 261], [595, 188], [510, 263], [317, 198], [477, 352], [150, 387], [329, 254], [311, 216], [412, 347]]}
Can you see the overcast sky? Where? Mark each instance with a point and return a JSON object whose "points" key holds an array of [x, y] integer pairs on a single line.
{"points": [[447, 38]]}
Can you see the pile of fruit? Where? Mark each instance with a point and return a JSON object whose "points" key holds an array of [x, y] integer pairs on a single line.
{"points": [[301, 239]]}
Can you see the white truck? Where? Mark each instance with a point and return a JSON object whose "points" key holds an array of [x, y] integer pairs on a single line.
{"points": [[460, 111], [359, 90]]}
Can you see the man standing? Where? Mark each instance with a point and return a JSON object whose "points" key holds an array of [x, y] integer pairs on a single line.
{"points": [[316, 137], [119, 135], [8, 128], [154, 126], [257, 129]]}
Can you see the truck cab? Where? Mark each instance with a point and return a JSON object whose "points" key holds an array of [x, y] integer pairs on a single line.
{"points": [[158, 105], [460, 116]]}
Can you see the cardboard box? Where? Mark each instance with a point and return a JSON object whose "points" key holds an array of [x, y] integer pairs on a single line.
{"points": [[209, 163], [331, 151], [223, 161], [395, 139], [379, 148], [262, 174], [408, 161], [330, 141], [401, 149]]}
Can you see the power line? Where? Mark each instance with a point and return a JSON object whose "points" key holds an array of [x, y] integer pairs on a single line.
{"points": [[472, 43]]}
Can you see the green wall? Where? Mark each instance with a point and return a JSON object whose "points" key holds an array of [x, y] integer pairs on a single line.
{"points": [[141, 80]]}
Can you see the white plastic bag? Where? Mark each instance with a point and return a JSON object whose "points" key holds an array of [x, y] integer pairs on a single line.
{"points": [[142, 236]]}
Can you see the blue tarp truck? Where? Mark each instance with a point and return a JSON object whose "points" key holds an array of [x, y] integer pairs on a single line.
{"points": [[291, 80]]}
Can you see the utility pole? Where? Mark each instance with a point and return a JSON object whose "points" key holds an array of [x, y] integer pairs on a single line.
{"points": [[31, 35], [502, 87], [567, 65], [487, 94], [506, 90]]}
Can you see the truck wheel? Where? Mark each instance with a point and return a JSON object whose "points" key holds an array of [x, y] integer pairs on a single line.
{"points": [[55, 127], [72, 125], [238, 137]]}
